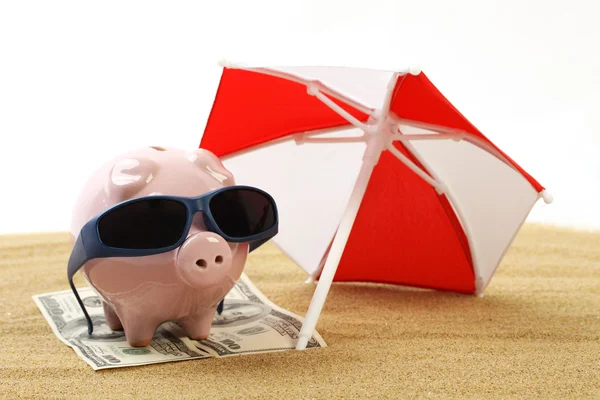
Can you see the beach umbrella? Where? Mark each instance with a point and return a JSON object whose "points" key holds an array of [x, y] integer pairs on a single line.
{"points": [[377, 176]]}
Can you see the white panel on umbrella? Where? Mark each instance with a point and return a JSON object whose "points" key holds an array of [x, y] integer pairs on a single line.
{"points": [[493, 197], [311, 184], [366, 86]]}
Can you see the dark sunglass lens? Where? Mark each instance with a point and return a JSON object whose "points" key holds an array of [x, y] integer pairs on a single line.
{"points": [[242, 212], [143, 224]]}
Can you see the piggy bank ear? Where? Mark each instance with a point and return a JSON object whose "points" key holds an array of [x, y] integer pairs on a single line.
{"points": [[128, 176], [212, 165]]}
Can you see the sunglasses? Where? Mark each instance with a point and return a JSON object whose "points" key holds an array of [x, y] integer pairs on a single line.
{"points": [[158, 224]]}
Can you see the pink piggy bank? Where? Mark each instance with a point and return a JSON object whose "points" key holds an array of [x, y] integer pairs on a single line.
{"points": [[185, 284]]}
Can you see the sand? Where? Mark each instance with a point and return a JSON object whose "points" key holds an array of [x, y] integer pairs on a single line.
{"points": [[535, 333]]}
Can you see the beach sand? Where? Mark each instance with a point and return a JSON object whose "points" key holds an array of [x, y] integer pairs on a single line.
{"points": [[535, 333]]}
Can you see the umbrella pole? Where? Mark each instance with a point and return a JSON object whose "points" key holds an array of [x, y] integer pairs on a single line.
{"points": [[374, 148]]}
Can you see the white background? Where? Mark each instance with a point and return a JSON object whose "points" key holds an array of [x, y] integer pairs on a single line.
{"points": [[81, 82]]}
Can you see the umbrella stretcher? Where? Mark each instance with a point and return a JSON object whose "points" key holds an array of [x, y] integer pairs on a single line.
{"points": [[378, 177]]}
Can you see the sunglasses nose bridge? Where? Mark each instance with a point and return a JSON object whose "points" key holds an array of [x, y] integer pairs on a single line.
{"points": [[198, 204], [198, 218]]}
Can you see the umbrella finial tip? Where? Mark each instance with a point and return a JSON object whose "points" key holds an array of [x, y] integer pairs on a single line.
{"points": [[548, 198], [225, 63], [415, 70]]}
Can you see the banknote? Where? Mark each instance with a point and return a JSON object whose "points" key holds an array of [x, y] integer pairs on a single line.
{"points": [[250, 323]]}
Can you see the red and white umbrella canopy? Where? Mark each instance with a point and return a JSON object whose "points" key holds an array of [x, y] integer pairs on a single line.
{"points": [[378, 177]]}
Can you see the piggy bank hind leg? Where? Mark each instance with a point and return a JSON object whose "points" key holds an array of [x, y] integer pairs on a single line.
{"points": [[198, 326], [112, 319]]}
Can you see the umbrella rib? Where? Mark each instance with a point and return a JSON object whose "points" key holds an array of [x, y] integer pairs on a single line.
{"points": [[299, 138], [443, 133], [435, 181], [343, 113], [346, 139], [446, 133], [308, 83], [460, 213], [439, 187], [427, 136]]}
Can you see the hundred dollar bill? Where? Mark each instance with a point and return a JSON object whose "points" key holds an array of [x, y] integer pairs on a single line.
{"points": [[249, 323]]}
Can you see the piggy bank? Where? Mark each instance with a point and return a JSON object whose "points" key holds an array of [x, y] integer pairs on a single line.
{"points": [[184, 285]]}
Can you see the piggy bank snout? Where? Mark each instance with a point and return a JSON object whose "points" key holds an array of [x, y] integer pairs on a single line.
{"points": [[204, 259]]}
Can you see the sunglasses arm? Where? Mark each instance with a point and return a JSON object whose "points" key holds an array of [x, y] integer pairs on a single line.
{"points": [[77, 259], [253, 246]]}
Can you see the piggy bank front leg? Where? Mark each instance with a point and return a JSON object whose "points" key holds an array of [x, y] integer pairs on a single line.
{"points": [[198, 326], [139, 329], [112, 319]]}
